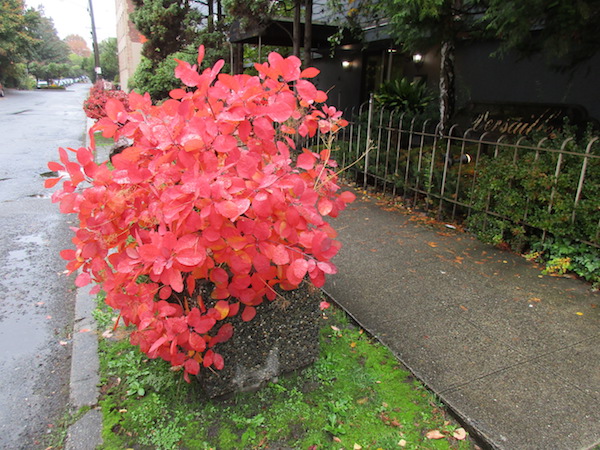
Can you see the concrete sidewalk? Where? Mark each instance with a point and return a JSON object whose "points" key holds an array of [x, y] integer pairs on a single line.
{"points": [[514, 353]]}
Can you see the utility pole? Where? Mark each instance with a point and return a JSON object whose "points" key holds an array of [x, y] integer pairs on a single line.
{"points": [[97, 69]]}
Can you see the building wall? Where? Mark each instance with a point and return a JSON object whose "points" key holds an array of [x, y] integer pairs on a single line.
{"points": [[480, 77], [485, 78], [129, 42], [342, 84]]}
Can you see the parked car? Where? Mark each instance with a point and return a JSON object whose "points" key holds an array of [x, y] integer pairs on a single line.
{"points": [[1, 90], [42, 84]]}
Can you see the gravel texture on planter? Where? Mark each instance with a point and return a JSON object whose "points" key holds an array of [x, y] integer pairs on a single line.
{"points": [[282, 337]]}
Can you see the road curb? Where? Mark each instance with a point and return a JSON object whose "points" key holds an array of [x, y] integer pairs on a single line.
{"points": [[86, 432]]}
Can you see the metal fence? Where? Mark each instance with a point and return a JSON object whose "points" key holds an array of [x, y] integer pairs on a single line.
{"points": [[550, 184]]}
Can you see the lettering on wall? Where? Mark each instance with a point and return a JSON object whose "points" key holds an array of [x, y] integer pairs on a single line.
{"points": [[522, 119]]}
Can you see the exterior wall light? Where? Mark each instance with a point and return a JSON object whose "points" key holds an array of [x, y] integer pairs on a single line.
{"points": [[346, 64], [417, 58]]}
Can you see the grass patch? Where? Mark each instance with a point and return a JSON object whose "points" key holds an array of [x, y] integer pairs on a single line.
{"points": [[355, 396], [101, 141]]}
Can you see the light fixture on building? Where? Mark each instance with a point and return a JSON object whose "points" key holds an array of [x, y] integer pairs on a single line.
{"points": [[417, 58], [346, 64]]}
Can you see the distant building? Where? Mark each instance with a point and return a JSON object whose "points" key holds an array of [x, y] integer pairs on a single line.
{"points": [[129, 42]]}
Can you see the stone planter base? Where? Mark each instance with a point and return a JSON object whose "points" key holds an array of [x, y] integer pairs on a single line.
{"points": [[284, 336]]}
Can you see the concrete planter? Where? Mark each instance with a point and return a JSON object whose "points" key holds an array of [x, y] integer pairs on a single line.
{"points": [[284, 336]]}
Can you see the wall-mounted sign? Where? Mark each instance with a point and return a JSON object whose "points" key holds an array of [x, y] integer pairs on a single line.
{"points": [[522, 119]]}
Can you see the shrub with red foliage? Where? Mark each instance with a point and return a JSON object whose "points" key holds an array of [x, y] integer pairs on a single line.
{"points": [[95, 105], [211, 192]]}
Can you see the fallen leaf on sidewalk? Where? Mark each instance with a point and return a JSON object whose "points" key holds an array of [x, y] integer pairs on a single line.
{"points": [[434, 434], [535, 299], [432, 244], [84, 330]]}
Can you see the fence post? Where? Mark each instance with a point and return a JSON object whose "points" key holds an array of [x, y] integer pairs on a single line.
{"points": [[447, 163], [582, 176], [368, 139]]}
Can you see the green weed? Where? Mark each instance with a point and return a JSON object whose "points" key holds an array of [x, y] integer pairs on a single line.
{"points": [[356, 393]]}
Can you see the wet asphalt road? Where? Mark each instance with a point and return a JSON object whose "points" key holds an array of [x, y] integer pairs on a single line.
{"points": [[36, 298]]}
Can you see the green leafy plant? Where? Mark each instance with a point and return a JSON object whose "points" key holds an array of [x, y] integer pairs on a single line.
{"points": [[207, 212], [413, 96], [356, 393]]}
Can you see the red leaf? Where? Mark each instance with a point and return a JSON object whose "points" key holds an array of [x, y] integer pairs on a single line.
{"points": [[233, 309], [191, 366], [160, 341], [165, 292], [218, 361], [200, 55], [279, 112], [306, 90], [114, 108], [83, 279], [248, 313], [208, 358], [297, 270], [306, 161], [325, 206], [197, 342], [280, 255], [347, 197], [68, 254], [51, 182], [222, 307], [310, 72], [53, 165], [224, 144], [223, 335], [186, 73], [202, 325]]}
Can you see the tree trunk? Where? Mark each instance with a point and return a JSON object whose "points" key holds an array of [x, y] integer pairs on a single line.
{"points": [[308, 7], [238, 58], [447, 94], [211, 16], [219, 11], [297, 35]]}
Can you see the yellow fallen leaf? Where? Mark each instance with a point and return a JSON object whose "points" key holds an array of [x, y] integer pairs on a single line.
{"points": [[402, 442], [434, 434], [352, 344], [579, 313], [459, 434], [357, 447], [432, 244]]}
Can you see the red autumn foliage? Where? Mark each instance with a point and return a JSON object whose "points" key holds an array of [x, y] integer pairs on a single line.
{"points": [[95, 105], [210, 191]]}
